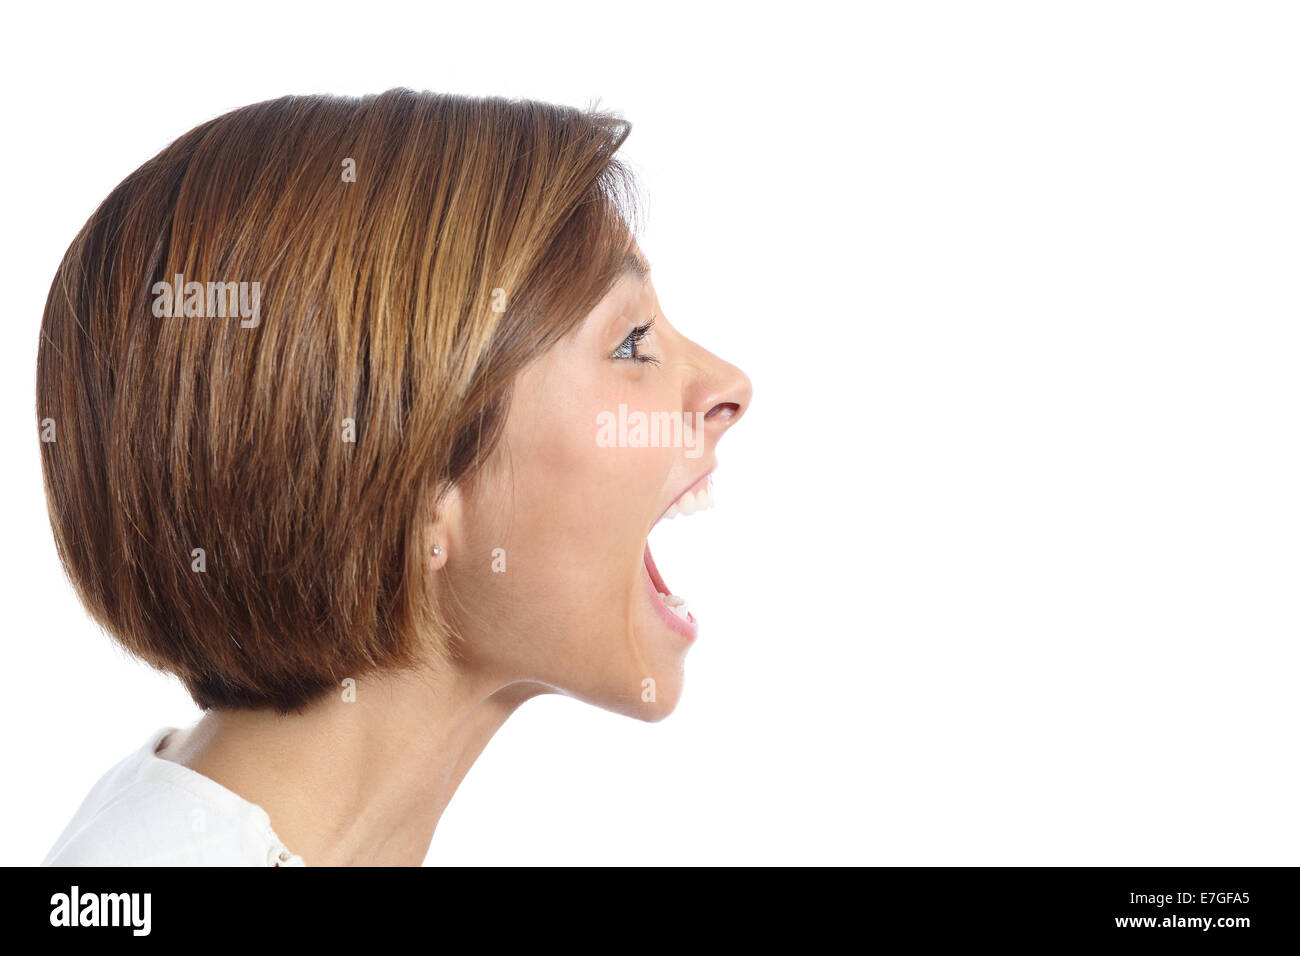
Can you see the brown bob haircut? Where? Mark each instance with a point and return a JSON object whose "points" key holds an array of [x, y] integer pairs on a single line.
{"points": [[412, 252]]}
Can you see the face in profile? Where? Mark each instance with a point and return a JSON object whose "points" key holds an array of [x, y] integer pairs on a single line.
{"points": [[566, 503]]}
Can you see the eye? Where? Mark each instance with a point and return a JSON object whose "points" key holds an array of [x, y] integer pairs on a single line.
{"points": [[629, 349]]}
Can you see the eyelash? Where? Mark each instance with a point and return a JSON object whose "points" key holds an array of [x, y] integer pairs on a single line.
{"points": [[630, 344]]}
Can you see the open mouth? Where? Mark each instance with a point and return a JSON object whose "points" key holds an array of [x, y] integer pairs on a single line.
{"points": [[672, 608]]}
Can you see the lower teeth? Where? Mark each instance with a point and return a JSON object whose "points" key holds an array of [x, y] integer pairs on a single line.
{"points": [[675, 604]]}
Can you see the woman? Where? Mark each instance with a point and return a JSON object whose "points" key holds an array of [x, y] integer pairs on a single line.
{"points": [[356, 415]]}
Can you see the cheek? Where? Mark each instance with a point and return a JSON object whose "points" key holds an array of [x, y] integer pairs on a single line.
{"points": [[585, 497], [585, 504], [572, 515]]}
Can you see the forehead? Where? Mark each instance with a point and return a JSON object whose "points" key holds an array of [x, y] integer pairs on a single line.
{"points": [[629, 301]]}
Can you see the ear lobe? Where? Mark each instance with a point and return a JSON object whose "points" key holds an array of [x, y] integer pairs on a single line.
{"points": [[440, 532]]}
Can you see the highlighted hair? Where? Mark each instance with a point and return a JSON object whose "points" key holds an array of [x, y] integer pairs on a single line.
{"points": [[413, 253]]}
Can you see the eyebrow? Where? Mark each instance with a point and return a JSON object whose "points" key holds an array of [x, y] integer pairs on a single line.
{"points": [[635, 264]]}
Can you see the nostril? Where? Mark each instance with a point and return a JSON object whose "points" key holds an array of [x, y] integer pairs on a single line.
{"points": [[726, 411]]}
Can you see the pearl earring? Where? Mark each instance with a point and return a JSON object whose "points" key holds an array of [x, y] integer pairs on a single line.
{"points": [[437, 550]]}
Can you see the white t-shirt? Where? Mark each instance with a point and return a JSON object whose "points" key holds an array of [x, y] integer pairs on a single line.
{"points": [[148, 811]]}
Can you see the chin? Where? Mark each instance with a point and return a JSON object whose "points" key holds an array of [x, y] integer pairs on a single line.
{"points": [[669, 627], [647, 702], [665, 629], [633, 663], [633, 667]]}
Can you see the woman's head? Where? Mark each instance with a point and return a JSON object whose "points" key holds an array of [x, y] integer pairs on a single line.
{"points": [[315, 341]]}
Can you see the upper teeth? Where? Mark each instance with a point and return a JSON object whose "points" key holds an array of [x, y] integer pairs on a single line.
{"points": [[691, 502]]}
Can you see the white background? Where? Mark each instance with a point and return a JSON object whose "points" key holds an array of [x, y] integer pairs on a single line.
{"points": [[1005, 560]]}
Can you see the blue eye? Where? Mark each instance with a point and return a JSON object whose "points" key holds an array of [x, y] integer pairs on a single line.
{"points": [[629, 349]]}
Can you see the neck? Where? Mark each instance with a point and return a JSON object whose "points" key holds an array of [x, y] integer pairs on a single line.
{"points": [[360, 782]]}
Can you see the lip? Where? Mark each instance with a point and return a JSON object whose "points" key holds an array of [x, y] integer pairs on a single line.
{"points": [[654, 581]]}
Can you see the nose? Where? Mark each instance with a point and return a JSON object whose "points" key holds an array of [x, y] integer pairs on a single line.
{"points": [[721, 392]]}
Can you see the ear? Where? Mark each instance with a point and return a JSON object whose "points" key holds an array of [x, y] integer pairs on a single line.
{"points": [[441, 534]]}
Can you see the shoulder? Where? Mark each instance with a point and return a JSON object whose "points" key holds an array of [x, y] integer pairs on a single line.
{"points": [[147, 811]]}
